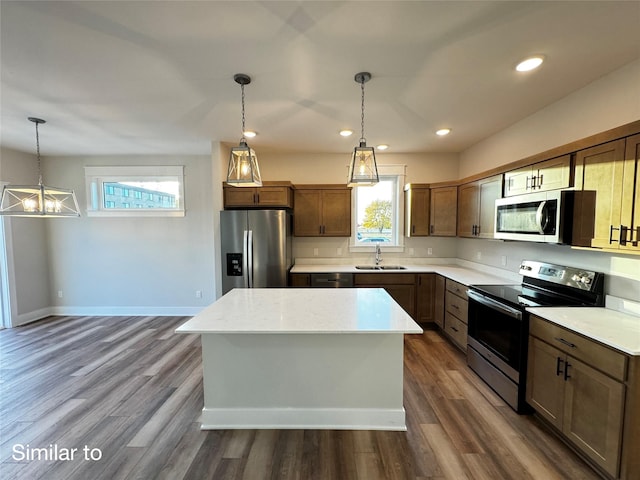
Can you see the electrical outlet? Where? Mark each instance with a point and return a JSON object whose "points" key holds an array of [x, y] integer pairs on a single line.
{"points": [[198, 293], [339, 252], [503, 260], [315, 252], [411, 251], [478, 255], [429, 251], [60, 295]]}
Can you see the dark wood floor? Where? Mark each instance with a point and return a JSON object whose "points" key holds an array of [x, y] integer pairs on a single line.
{"points": [[131, 388]]}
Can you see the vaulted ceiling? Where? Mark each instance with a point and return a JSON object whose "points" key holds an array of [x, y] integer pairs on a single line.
{"points": [[140, 77]]}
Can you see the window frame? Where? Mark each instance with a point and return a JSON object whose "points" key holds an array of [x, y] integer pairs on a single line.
{"points": [[395, 173], [96, 177]]}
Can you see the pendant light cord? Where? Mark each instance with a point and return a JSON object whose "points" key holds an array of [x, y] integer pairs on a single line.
{"points": [[362, 139], [242, 89], [38, 153]]}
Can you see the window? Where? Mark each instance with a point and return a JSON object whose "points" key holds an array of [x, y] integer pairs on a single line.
{"points": [[158, 191], [377, 212]]}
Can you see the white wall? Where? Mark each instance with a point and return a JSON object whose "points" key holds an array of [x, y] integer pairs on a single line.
{"points": [[27, 268], [129, 265]]}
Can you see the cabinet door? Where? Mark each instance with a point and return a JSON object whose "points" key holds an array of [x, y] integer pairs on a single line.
{"points": [[336, 212], [545, 381], [593, 411], [273, 196], [467, 209], [631, 193], [425, 300], [444, 211], [517, 182], [488, 192], [307, 217], [299, 280], [418, 218], [438, 308], [239, 197], [405, 295], [553, 174], [599, 174]]}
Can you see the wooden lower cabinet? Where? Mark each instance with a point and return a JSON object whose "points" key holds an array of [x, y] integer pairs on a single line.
{"points": [[401, 286], [299, 280], [455, 313], [583, 398], [425, 285], [438, 301]]}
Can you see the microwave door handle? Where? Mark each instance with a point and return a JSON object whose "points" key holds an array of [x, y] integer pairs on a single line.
{"points": [[541, 218], [511, 312]]}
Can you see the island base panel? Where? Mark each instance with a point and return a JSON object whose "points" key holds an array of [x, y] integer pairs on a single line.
{"points": [[319, 381]]}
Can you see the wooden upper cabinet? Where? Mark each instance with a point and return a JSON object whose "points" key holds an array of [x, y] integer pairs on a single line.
{"points": [[598, 204], [551, 174], [417, 199], [444, 211], [270, 195], [630, 210], [322, 211], [476, 207]]}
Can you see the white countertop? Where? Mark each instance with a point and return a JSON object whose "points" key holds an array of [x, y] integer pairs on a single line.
{"points": [[303, 310], [615, 329], [466, 276]]}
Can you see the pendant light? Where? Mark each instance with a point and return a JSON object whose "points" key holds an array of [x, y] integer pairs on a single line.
{"points": [[38, 200], [363, 169], [243, 164]]}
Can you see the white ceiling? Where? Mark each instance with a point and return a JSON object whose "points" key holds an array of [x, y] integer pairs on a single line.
{"points": [[120, 77]]}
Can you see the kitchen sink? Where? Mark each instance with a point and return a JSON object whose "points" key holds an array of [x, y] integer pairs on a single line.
{"points": [[380, 267]]}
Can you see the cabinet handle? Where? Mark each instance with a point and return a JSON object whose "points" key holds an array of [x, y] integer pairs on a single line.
{"points": [[566, 371], [431, 229], [455, 306], [623, 235], [533, 182], [611, 229], [637, 232], [565, 342], [413, 229], [257, 198], [559, 363], [540, 181], [477, 229], [454, 329]]}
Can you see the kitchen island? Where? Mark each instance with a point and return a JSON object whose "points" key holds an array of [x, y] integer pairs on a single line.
{"points": [[303, 358]]}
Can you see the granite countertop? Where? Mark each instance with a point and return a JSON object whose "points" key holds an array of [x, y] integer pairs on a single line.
{"points": [[616, 329], [466, 276], [301, 310]]}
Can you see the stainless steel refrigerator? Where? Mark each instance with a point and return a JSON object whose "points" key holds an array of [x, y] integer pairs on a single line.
{"points": [[256, 248]]}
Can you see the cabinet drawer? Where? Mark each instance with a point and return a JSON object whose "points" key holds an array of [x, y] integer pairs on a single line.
{"points": [[456, 306], [384, 279], [457, 288], [456, 330], [609, 361]]}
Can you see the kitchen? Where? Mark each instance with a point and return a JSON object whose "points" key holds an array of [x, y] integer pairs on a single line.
{"points": [[67, 278]]}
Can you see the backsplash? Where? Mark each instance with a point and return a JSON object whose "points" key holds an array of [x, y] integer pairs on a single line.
{"points": [[622, 272]]}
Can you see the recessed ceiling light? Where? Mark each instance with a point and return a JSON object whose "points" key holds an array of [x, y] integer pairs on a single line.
{"points": [[249, 133], [443, 131], [346, 133], [382, 146], [530, 63]]}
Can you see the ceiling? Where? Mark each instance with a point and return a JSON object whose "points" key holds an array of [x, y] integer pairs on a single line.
{"points": [[121, 77]]}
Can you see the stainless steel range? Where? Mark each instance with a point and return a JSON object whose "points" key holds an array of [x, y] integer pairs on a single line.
{"points": [[499, 323]]}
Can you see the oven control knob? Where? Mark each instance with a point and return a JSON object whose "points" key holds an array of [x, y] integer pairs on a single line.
{"points": [[576, 278], [586, 280]]}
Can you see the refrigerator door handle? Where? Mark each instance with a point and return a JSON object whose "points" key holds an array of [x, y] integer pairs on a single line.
{"points": [[245, 259], [250, 255]]}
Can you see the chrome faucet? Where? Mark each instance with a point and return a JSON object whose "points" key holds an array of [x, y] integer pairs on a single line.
{"points": [[378, 254]]}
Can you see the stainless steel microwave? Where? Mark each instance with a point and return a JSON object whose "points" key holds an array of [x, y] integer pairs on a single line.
{"points": [[534, 217]]}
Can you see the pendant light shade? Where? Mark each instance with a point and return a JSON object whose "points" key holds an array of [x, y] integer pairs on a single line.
{"points": [[38, 200], [363, 170], [243, 163]]}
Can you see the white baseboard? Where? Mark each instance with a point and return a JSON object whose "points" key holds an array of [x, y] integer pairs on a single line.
{"points": [[303, 418], [126, 311]]}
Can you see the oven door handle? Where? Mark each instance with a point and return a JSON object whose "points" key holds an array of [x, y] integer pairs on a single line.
{"points": [[511, 312]]}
